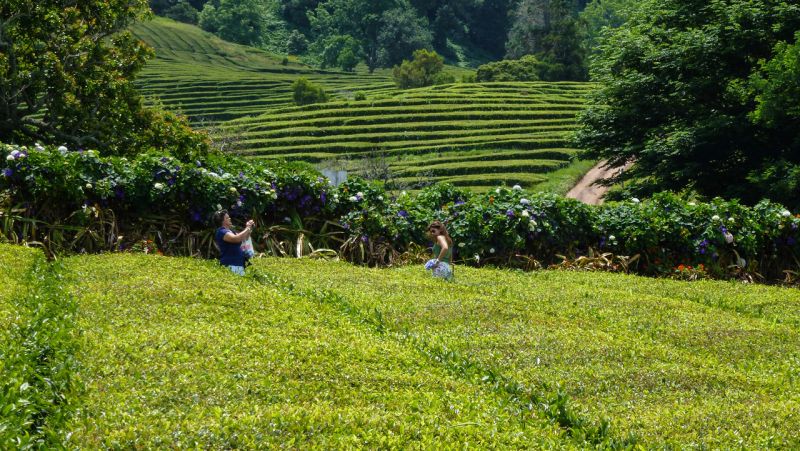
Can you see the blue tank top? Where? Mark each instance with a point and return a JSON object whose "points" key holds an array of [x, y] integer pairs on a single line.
{"points": [[230, 254]]}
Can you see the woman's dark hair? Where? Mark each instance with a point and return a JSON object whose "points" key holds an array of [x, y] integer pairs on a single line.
{"points": [[437, 228], [218, 217]]}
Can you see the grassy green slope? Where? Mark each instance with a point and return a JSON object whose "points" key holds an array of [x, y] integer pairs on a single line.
{"points": [[181, 353], [178, 352], [15, 262], [709, 364]]}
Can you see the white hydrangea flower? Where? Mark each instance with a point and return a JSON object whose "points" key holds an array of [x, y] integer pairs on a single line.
{"points": [[62, 149], [359, 194], [353, 199], [462, 244], [786, 213], [10, 157], [160, 186], [39, 147], [88, 186], [730, 220], [715, 218], [525, 213], [497, 191], [728, 237], [516, 188], [635, 200], [380, 197], [232, 189], [612, 238], [491, 250]]}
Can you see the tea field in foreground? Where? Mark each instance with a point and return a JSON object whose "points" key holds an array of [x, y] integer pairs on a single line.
{"points": [[173, 352]]}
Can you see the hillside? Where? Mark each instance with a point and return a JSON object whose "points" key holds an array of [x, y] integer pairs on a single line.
{"points": [[476, 135], [211, 80], [175, 352]]}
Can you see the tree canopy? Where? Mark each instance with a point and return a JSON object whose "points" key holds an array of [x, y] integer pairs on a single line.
{"points": [[698, 95], [66, 70], [388, 31]]}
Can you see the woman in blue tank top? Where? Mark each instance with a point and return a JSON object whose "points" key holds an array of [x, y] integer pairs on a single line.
{"points": [[230, 243]]}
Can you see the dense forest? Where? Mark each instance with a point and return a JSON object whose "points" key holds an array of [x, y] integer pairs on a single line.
{"points": [[344, 33]]}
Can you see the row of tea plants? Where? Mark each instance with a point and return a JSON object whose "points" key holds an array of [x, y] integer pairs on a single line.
{"points": [[79, 201]]}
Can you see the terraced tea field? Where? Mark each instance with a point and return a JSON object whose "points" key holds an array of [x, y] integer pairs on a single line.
{"points": [[211, 80], [475, 135]]}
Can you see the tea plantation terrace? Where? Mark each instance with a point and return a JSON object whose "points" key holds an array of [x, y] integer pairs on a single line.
{"points": [[475, 135]]}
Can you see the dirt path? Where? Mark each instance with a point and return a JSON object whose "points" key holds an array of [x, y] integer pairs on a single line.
{"points": [[586, 191]]}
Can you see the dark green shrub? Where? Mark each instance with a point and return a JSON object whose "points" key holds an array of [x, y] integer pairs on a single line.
{"points": [[527, 68], [305, 92]]}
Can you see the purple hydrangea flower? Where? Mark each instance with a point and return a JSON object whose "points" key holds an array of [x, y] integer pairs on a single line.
{"points": [[510, 213], [402, 214], [7, 172]]}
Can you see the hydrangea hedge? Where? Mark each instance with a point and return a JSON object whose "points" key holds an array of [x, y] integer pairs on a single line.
{"points": [[154, 196]]}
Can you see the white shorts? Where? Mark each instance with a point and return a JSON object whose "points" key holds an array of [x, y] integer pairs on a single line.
{"points": [[443, 270], [238, 270]]}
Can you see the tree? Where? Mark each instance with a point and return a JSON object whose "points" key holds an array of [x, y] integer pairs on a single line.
{"points": [[362, 20], [339, 51], [549, 30], [776, 86], [297, 44], [600, 14], [681, 96], [402, 33], [422, 71], [240, 21], [488, 26], [182, 11], [296, 12], [66, 78]]}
